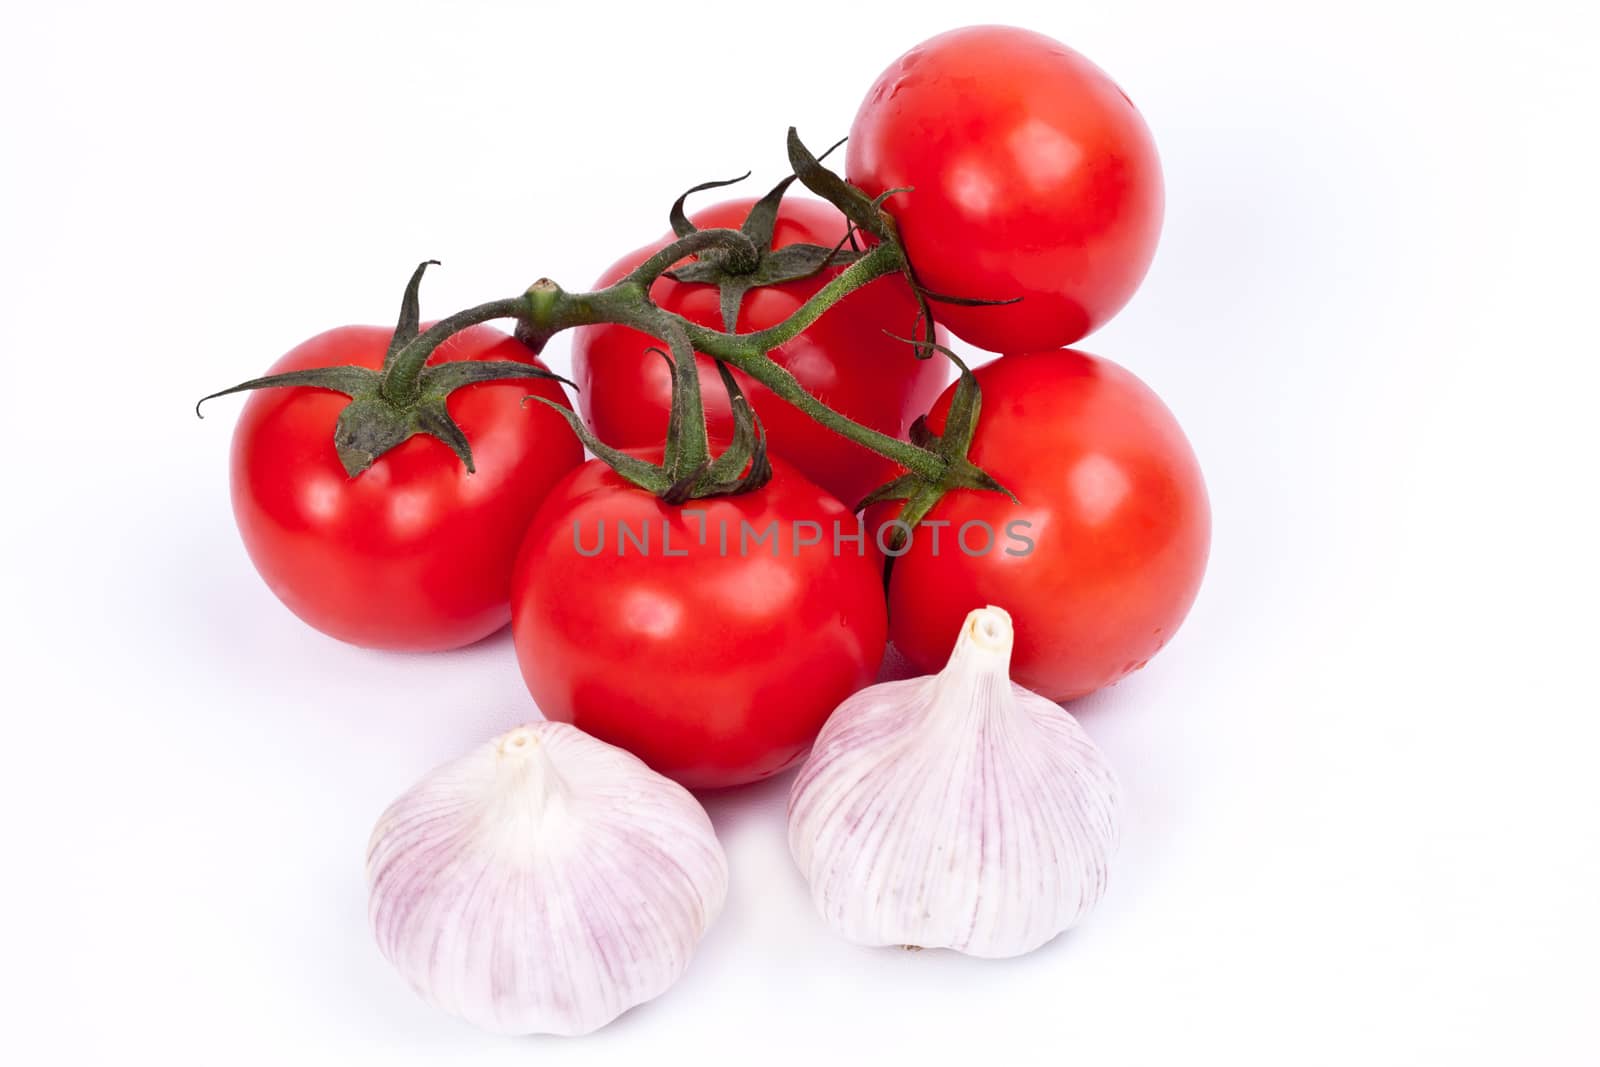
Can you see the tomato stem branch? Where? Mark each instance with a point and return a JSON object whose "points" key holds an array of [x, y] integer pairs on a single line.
{"points": [[627, 303], [402, 378], [733, 242], [387, 404]]}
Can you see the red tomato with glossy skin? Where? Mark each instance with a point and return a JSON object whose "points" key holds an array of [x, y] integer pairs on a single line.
{"points": [[715, 667], [1032, 176], [844, 359], [1117, 516], [413, 554]]}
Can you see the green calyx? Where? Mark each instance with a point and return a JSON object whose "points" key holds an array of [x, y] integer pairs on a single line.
{"points": [[688, 470], [406, 397], [735, 269], [921, 493], [867, 214]]}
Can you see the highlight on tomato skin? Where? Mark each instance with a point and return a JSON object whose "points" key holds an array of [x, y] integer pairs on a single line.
{"points": [[1029, 173], [415, 553], [845, 359], [1116, 527], [673, 633]]}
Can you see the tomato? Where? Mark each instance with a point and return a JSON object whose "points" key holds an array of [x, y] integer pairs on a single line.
{"points": [[1032, 176], [715, 665], [1115, 512], [844, 359], [414, 553]]}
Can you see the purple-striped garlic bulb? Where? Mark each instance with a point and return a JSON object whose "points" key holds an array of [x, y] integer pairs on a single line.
{"points": [[544, 883], [956, 810]]}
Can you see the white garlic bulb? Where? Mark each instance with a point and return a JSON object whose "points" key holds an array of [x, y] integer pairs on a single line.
{"points": [[956, 810], [545, 883]]}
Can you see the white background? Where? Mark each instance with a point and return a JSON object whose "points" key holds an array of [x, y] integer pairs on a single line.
{"points": [[1361, 820]]}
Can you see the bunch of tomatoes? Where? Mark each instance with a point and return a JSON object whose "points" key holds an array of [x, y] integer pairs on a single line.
{"points": [[712, 637]]}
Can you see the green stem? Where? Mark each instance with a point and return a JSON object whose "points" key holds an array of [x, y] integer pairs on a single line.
{"points": [[874, 265], [546, 309], [400, 380], [731, 241], [755, 362], [626, 304], [688, 450]]}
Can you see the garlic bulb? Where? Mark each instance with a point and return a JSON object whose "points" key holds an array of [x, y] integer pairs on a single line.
{"points": [[957, 810], [545, 883]]}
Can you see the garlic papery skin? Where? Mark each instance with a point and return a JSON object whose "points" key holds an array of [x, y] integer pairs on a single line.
{"points": [[956, 810], [544, 883]]}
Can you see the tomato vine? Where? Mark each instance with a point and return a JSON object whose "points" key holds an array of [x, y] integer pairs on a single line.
{"points": [[407, 396]]}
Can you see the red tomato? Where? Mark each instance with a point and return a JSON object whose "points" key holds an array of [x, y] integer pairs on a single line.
{"points": [[715, 666], [413, 554], [844, 359], [1032, 176], [1116, 514]]}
